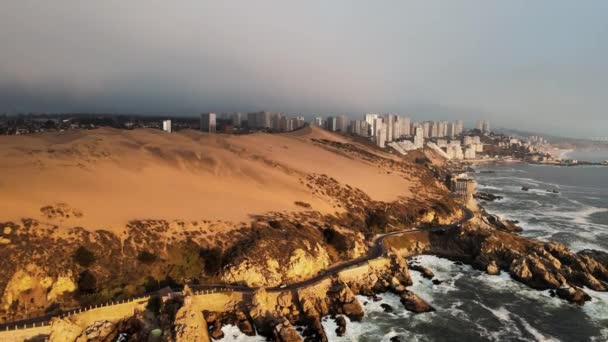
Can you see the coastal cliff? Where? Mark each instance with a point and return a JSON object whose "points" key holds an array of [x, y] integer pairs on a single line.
{"points": [[108, 250]]}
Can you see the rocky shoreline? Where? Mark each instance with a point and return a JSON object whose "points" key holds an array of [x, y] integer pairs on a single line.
{"points": [[483, 242]]}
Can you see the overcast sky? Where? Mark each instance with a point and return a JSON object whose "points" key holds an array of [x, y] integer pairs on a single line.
{"points": [[537, 65]]}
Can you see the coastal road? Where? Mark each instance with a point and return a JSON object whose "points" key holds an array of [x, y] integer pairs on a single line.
{"points": [[376, 251]]}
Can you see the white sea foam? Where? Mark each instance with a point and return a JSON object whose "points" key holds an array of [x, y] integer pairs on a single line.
{"points": [[232, 333], [353, 329], [597, 308], [489, 187], [538, 336]]}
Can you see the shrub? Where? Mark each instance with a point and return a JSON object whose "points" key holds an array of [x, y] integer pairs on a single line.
{"points": [[154, 304], [213, 259], [87, 283], [339, 241], [303, 204], [84, 257], [377, 221], [146, 257], [151, 284]]}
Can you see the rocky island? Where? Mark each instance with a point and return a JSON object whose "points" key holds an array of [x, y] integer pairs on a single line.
{"points": [[171, 237]]}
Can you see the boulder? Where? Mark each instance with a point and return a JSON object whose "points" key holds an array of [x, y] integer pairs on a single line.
{"points": [[573, 295], [246, 327], [211, 316], [414, 303], [492, 268], [285, 332], [216, 331], [386, 307], [341, 323], [426, 273], [343, 301]]}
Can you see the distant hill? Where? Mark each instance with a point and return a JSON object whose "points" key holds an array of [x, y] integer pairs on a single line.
{"points": [[558, 141]]}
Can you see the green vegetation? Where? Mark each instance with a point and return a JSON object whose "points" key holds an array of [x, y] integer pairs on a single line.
{"points": [[83, 257]]}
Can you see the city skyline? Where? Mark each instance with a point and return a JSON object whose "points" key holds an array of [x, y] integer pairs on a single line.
{"points": [[513, 63]]}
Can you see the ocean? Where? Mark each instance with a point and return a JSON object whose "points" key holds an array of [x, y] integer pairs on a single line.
{"points": [[592, 156], [473, 306]]}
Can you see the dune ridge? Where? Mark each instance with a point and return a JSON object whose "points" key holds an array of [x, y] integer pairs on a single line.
{"points": [[114, 176]]}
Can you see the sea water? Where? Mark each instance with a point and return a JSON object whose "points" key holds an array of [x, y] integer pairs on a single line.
{"points": [[473, 306]]}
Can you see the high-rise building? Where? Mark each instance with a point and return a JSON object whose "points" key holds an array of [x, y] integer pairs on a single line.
{"points": [[236, 119], [318, 121], [167, 126], [342, 123], [208, 123], [331, 124], [276, 121], [419, 137], [259, 120], [486, 126], [404, 123], [483, 126], [458, 127], [359, 127], [426, 128], [388, 121], [380, 134], [370, 118]]}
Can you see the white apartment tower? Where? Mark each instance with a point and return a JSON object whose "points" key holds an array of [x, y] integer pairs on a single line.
{"points": [[208, 123], [405, 124], [483, 126], [380, 133], [458, 127], [388, 120], [419, 137], [342, 123], [371, 122], [167, 126]]}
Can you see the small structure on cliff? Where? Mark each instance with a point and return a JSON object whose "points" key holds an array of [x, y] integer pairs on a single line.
{"points": [[462, 186]]}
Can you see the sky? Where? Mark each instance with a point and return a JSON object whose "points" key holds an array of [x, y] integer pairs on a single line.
{"points": [[534, 65]]}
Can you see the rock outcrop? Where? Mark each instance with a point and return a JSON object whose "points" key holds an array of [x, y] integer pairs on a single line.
{"points": [[64, 329], [414, 303], [285, 332], [537, 264], [190, 325], [100, 331], [262, 267], [343, 301]]}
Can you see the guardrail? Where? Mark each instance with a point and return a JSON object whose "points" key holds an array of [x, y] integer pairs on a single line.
{"points": [[45, 320]]}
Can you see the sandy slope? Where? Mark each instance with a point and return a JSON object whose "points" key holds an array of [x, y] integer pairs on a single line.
{"points": [[113, 176]]}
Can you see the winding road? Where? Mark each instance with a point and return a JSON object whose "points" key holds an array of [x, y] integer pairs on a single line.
{"points": [[376, 251]]}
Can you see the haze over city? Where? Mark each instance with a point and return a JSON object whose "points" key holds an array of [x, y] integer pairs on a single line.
{"points": [[542, 62]]}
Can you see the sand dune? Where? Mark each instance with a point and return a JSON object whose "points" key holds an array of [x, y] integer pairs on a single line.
{"points": [[113, 176]]}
